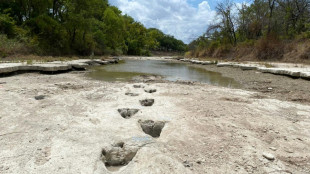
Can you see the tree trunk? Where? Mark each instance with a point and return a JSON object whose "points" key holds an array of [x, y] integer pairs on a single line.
{"points": [[271, 7]]}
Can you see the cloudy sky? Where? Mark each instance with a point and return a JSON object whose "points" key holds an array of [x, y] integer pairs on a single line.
{"points": [[184, 19]]}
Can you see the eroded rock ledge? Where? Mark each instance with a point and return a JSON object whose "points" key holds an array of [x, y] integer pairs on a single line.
{"points": [[277, 68], [53, 67]]}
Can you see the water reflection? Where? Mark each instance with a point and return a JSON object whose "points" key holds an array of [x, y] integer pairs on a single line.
{"points": [[169, 70]]}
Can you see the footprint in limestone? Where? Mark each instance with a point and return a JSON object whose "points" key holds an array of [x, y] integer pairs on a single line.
{"points": [[40, 97], [150, 90], [147, 102], [138, 86], [151, 127], [120, 154], [127, 113]]}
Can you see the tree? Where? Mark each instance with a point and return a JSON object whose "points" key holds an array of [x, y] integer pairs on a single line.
{"points": [[75, 27], [114, 29], [227, 23], [264, 22]]}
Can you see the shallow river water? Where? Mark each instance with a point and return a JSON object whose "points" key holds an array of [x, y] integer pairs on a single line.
{"points": [[128, 69]]}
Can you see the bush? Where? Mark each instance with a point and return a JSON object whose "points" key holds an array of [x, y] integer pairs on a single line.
{"points": [[304, 35], [7, 25], [306, 54], [13, 46], [188, 54], [53, 38], [146, 53], [247, 43], [222, 50], [108, 51], [269, 47], [213, 46]]}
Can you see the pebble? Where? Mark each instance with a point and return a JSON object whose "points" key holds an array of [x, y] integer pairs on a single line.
{"points": [[200, 161], [268, 156], [137, 86], [288, 150], [40, 97], [273, 148], [131, 94]]}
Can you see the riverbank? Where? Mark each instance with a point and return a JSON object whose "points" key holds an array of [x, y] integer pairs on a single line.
{"points": [[248, 74], [277, 68], [66, 123], [69, 123], [251, 76]]}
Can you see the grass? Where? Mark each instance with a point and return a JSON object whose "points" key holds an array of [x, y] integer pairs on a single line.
{"points": [[29, 62]]}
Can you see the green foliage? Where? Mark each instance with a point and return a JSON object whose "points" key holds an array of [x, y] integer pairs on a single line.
{"points": [[51, 36], [261, 25], [29, 62], [164, 42], [214, 45], [59, 27], [13, 46], [136, 38], [7, 25], [113, 29], [306, 33]]}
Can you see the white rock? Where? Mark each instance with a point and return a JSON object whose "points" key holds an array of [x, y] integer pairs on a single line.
{"points": [[268, 156], [273, 148]]}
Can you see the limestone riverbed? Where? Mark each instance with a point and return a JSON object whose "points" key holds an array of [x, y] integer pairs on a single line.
{"points": [[69, 123]]}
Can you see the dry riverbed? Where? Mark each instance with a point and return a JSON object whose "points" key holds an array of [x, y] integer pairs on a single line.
{"points": [[68, 123]]}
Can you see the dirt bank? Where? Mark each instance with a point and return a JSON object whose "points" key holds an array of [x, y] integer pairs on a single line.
{"points": [[70, 124]]}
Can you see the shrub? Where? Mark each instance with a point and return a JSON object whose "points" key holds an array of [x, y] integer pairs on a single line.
{"points": [[306, 54], [13, 46], [213, 46], [29, 62], [222, 50], [146, 53], [108, 51], [269, 47], [247, 43], [188, 54], [7, 25]]}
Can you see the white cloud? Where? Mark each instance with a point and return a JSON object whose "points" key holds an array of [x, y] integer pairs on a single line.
{"points": [[174, 17]]}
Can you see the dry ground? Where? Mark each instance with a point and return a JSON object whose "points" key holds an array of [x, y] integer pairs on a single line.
{"points": [[208, 129]]}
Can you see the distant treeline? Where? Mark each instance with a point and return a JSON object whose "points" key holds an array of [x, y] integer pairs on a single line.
{"points": [[80, 27], [260, 28]]}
